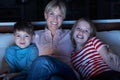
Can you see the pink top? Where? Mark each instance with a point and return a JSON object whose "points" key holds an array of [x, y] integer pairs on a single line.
{"points": [[60, 44]]}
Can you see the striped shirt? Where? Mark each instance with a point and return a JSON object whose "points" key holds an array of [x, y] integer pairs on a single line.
{"points": [[88, 61]]}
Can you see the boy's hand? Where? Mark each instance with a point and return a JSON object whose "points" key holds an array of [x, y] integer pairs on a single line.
{"points": [[2, 76], [8, 76]]}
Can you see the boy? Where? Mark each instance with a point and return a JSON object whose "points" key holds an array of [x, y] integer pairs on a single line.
{"points": [[21, 55]]}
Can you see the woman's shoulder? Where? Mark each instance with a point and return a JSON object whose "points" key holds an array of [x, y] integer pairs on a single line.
{"points": [[65, 34], [65, 31], [39, 31]]}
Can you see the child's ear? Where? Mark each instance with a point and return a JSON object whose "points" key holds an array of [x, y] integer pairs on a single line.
{"points": [[14, 36], [33, 36]]}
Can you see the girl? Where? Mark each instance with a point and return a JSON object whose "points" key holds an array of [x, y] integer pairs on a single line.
{"points": [[92, 58]]}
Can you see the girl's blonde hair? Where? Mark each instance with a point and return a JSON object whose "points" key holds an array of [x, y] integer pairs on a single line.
{"points": [[92, 28], [54, 4]]}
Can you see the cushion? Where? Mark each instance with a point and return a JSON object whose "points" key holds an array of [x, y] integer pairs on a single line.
{"points": [[6, 39], [112, 38]]}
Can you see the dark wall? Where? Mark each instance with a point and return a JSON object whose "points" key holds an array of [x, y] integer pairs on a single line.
{"points": [[15, 10], [32, 10]]}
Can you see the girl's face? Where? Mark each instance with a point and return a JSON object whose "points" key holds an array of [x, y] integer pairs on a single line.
{"points": [[54, 18], [81, 32], [22, 39]]}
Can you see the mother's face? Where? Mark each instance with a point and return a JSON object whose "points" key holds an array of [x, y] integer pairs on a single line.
{"points": [[54, 18]]}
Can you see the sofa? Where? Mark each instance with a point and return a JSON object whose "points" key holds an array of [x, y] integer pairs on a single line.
{"points": [[109, 32]]}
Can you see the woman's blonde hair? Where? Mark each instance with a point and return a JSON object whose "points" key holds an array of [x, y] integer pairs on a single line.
{"points": [[92, 28], [54, 4]]}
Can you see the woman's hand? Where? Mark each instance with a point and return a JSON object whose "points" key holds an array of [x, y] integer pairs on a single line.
{"points": [[46, 50]]}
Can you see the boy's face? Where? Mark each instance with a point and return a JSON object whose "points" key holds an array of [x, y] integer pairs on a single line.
{"points": [[22, 39], [81, 32]]}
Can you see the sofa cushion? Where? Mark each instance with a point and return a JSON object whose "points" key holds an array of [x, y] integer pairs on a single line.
{"points": [[6, 39], [112, 38]]}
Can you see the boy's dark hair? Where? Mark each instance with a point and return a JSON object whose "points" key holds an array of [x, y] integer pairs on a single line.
{"points": [[24, 26]]}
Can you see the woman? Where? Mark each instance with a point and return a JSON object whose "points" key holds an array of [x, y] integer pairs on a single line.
{"points": [[54, 46], [54, 40]]}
